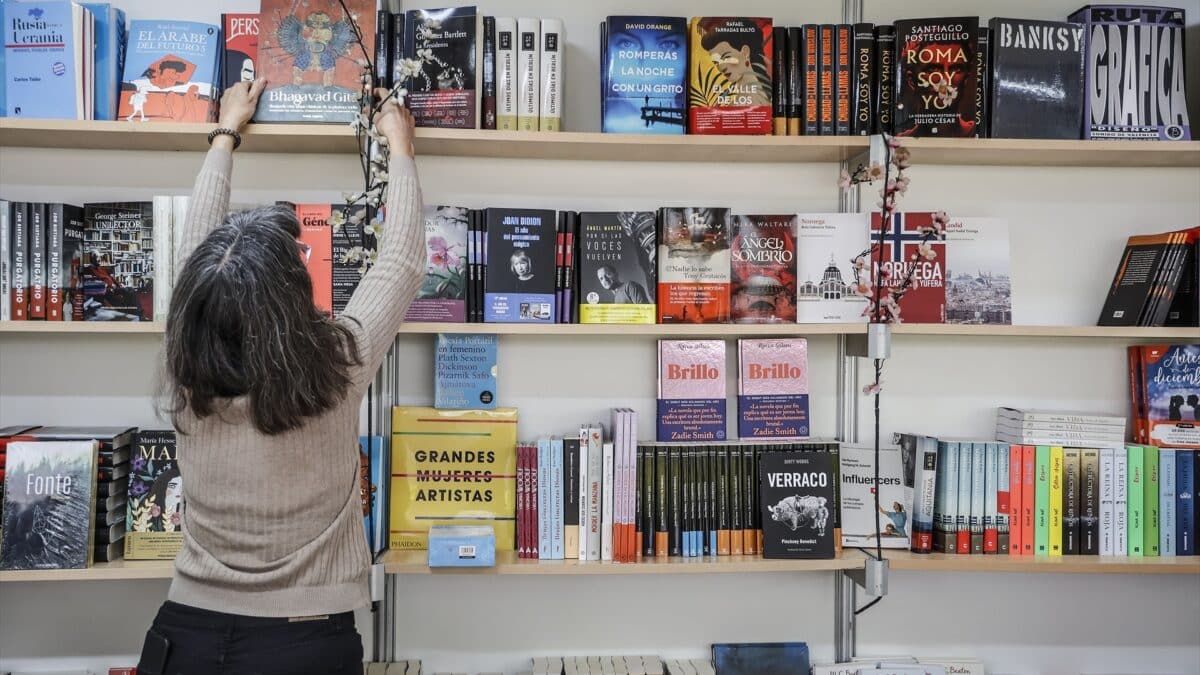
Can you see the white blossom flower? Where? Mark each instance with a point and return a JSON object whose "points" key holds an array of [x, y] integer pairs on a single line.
{"points": [[873, 388], [844, 180], [875, 171], [352, 255]]}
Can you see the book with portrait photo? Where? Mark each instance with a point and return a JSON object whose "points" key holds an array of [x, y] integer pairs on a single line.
{"points": [[617, 267], [520, 266]]}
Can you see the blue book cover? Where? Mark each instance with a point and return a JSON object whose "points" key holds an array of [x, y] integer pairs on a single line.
{"points": [[521, 266], [110, 57], [556, 507], [764, 658], [464, 374], [1166, 502], [364, 483], [43, 68], [380, 480], [1172, 394], [543, 498], [644, 75], [171, 72], [3, 81], [1185, 509]]}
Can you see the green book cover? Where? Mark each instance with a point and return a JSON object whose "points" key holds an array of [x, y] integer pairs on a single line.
{"points": [[1041, 501], [1136, 499], [1054, 534], [1150, 501]]}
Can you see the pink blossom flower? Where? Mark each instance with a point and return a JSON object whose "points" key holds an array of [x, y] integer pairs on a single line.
{"points": [[439, 253], [875, 171], [844, 181], [940, 219], [926, 251], [175, 519], [873, 388], [902, 183], [860, 263], [893, 142]]}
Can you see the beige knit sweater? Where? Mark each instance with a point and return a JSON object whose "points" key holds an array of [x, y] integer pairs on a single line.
{"points": [[273, 524]]}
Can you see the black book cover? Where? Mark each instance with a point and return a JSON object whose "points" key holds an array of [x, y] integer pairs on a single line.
{"points": [[37, 260], [112, 457], [617, 270], [519, 287], [49, 505], [676, 504], [1036, 88], [117, 266], [749, 503], [108, 438], [473, 296], [983, 39], [383, 46], [448, 45], [1089, 503], [108, 518], [349, 237], [1070, 505], [559, 259], [572, 281], [571, 480], [489, 72], [843, 90], [108, 534], [779, 81], [662, 501], [64, 231], [795, 82], [1130, 291], [935, 77], [883, 101], [797, 504], [864, 78], [825, 78], [763, 658], [481, 254], [120, 499], [736, 499], [810, 45], [396, 51], [108, 552], [73, 266], [112, 473]]}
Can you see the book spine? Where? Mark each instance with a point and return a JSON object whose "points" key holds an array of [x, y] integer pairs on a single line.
{"points": [[1136, 500], [551, 74], [1041, 522], [945, 541], [1070, 509], [571, 468], [991, 518], [55, 277], [736, 539], [1028, 498], [721, 463], [1108, 493], [595, 483], [689, 485], [675, 461], [842, 79], [522, 527], [163, 279], [506, 73], [864, 78], [383, 20], [1120, 502], [925, 480], [779, 81], [1089, 503], [1055, 524], [978, 495], [37, 261], [749, 478], [647, 526], [1166, 502], [795, 80], [582, 498], [1003, 499], [1016, 486], [545, 500], [711, 466], [1150, 512], [826, 74], [811, 44], [1185, 510], [556, 481], [962, 518], [606, 516], [982, 81], [489, 72], [662, 501], [5, 255], [885, 86], [528, 66]]}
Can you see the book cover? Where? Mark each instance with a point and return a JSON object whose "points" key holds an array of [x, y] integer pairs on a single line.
{"points": [[506, 73], [110, 43], [5, 258], [762, 658], [528, 73], [1015, 498], [1108, 493], [827, 54], [442, 297], [982, 80], [47, 68], [1028, 495], [241, 48], [763, 255], [935, 77], [966, 484], [978, 285], [316, 246], [171, 72], [448, 44], [1037, 88], [919, 459], [843, 90], [1121, 516], [617, 274], [1167, 546], [593, 501], [384, 39], [1128, 98], [863, 77], [991, 506], [797, 497], [572, 467], [488, 80], [464, 367], [551, 73], [795, 71], [545, 488], [1150, 509], [779, 81], [691, 390], [1041, 524], [452, 467], [827, 247], [556, 499], [1054, 531], [694, 265], [772, 397], [925, 299], [857, 469], [309, 56], [945, 499], [884, 98], [1185, 508], [1136, 500], [608, 491], [729, 75], [348, 241], [1071, 540], [62, 221], [1132, 289], [978, 495], [49, 505], [520, 266], [154, 525], [380, 475], [1089, 502], [117, 262], [1171, 381], [19, 219], [810, 46]]}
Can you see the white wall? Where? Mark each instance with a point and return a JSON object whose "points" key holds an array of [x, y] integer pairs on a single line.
{"points": [[1068, 226]]}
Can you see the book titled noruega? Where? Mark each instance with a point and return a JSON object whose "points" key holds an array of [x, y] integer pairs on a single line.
{"points": [[797, 501]]}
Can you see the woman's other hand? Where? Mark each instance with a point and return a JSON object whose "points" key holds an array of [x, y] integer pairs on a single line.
{"points": [[396, 124], [239, 102]]}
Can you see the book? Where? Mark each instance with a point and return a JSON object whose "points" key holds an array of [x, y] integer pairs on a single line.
{"points": [[1131, 294], [945, 498], [978, 510], [1061, 416], [452, 467], [316, 247], [350, 237], [796, 80], [991, 506], [448, 44], [1136, 500], [5, 257], [966, 493], [384, 40], [863, 66], [883, 99], [154, 524], [1041, 524], [551, 72], [617, 276], [1128, 99], [902, 241], [843, 91], [171, 72], [1121, 513], [506, 73], [309, 55], [982, 80], [1170, 389], [1150, 508], [37, 261], [464, 371], [919, 460], [19, 223], [1037, 79], [691, 390], [240, 32], [935, 77], [1185, 509], [117, 262], [1016, 533], [488, 79], [1089, 502], [1108, 492], [797, 496], [62, 220], [1071, 544], [442, 297], [520, 266], [827, 247], [772, 397], [528, 73], [694, 265], [572, 474], [826, 91], [810, 55], [1167, 546], [49, 505], [978, 283], [859, 489], [761, 658], [49, 57], [729, 75], [780, 97], [763, 276], [110, 43]]}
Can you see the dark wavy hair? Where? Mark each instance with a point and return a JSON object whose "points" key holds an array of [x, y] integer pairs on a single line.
{"points": [[242, 323]]}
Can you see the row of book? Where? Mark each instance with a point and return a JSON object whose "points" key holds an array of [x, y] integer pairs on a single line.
{"points": [[1155, 282]]}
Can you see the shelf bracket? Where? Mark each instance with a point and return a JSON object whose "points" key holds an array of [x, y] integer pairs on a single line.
{"points": [[873, 577]]}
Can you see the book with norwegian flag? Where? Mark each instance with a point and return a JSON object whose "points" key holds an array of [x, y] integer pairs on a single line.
{"points": [[925, 299]]}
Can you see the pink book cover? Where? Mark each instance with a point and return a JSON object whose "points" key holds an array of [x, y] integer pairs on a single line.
{"points": [[773, 388], [691, 390]]}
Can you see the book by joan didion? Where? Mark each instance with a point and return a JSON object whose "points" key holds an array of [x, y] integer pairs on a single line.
{"points": [[443, 295], [154, 519], [49, 505], [464, 371], [693, 265], [171, 72], [616, 267], [773, 388], [936, 79], [644, 75], [763, 257], [796, 489], [691, 390], [1171, 378], [521, 264], [729, 75]]}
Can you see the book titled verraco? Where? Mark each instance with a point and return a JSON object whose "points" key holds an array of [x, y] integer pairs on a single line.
{"points": [[691, 390]]}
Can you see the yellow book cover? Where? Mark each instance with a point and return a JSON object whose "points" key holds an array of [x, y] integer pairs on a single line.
{"points": [[452, 467], [1056, 500]]}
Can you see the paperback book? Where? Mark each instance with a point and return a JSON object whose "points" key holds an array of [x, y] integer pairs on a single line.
{"points": [[763, 255], [241, 48], [172, 72], [936, 79], [643, 75], [154, 528], [520, 255], [691, 390], [693, 265], [827, 245], [797, 499], [859, 489], [729, 80], [117, 263], [443, 295], [773, 388], [925, 300], [617, 277], [49, 505], [448, 45], [978, 285], [48, 60], [1037, 83], [464, 371]]}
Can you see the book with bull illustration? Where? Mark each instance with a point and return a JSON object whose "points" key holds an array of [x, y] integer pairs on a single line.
{"points": [[797, 498]]}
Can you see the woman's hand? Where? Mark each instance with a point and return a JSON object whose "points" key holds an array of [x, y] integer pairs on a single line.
{"points": [[396, 125], [239, 102]]}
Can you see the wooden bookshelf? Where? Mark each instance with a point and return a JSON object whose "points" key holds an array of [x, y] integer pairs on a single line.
{"points": [[507, 563], [119, 570], [1069, 564], [338, 138], [81, 327]]}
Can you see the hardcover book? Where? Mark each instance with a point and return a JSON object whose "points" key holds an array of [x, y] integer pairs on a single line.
{"points": [[48, 60], [762, 658], [241, 48], [859, 489], [1037, 88], [506, 73], [111, 41], [863, 78], [154, 526], [925, 300], [117, 264], [464, 371], [763, 255], [843, 90], [978, 285], [520, 266], [1128, 97], [448, 43], [19, 239], [945, 498], [64, 229], [171, 72], [617, 275], [935, 77], [49, 505], [691, 390], [693, 265], [442, 297], [528, 73], [772, 397], [729, 80], [551, 70], [919, 460], [309, 56], [884, 98], [796, 501], [1130, 299], [1172, 393]]}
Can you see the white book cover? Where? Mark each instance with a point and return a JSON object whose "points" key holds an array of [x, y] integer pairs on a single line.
{"points": [[556, 506], [5, 260], [1120, 502], [826, 247], [991, 478], [858, 497], [978, 490], [606, 516], [554, 48], [179, 211], [164, 271], [583, 491], [528, 67], [618, 491], [924, 481], [1166, 502], [595, 485], [1019, 425], [1107, 496], [978, 286], [962, 519], [506, 73], [631, 469], [1065, 416]]}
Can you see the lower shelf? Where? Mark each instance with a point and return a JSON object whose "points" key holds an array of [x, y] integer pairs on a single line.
{"points": [[507, 562], [117, 570], [1068, 564]]}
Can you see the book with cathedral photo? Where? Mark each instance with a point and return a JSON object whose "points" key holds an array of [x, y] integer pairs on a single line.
{"points": [[826, 247], [978, 285]]}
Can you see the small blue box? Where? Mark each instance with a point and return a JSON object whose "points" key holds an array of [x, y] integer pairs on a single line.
{"points": [[462, 546]]}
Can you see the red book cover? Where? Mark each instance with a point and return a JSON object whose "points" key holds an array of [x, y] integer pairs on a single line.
{"points": [[729, 75], [316, 239], [693, 265], [925, 300], [1028, 457], [1013, 501], [241, 48], [764, 269]]}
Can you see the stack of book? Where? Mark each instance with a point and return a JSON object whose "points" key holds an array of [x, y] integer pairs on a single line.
{"points": [[1046, 427], [1156, 282]]}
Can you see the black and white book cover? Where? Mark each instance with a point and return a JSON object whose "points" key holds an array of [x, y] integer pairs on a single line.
{"points": [[1037, 79], [448, 45], [617, 267], [797, 501], [520, 255], [49, 505]]}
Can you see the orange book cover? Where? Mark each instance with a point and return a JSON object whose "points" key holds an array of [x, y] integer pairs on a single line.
{"points": [[736, 542], [694, 265], [1015, 495], [1028, 458], [316, 247]]}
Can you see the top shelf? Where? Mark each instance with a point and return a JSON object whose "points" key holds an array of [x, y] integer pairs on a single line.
{"points": [[338, 138]]}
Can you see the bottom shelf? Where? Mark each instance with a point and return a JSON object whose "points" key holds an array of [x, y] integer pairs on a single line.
{"points": [[112, 571], [507, 562], [1068, 564]]}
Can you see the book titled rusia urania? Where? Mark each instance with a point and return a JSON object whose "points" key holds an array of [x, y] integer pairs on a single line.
{"points": [[729, 75], [171, 72], [902, 239], [763, 257], [691, 390], [309, 56], [773, 388], [616, 267], [936, 78], [693, 265], [448, 45], [443, 295]]}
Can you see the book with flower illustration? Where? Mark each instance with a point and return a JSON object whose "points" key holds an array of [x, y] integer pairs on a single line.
{"points": [[936, 80], [448, 46], [907, 249], [154, 526], [694, 265], [443, 295], [729, 75]]}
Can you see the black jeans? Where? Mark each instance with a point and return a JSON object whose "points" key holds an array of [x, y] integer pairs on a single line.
{"points": [[202, 642]]}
